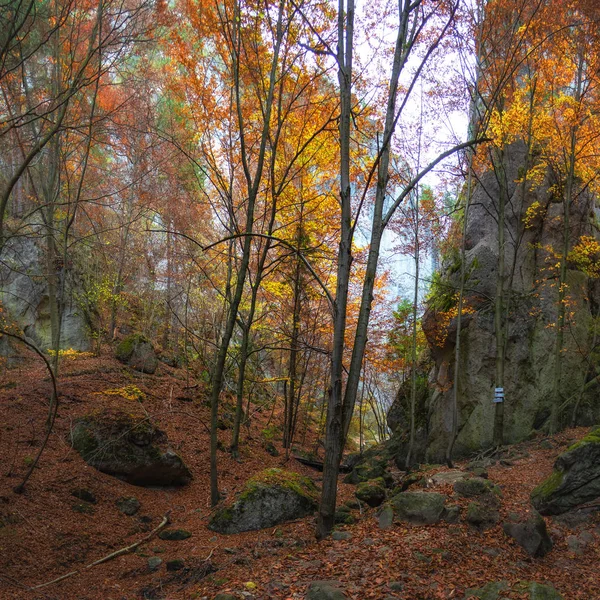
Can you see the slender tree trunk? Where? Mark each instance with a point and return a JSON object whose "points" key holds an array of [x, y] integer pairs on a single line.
{"points": [[413, 383], [562, 276]]}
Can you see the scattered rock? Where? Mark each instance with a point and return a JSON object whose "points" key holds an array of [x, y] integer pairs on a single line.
{"points": [[85, 508], [482, 515], [128, 447], [490, 591], [420, 508], [128, 505], [154, 563], [575, 479], [325, 590], [341, 536], [475, 486], [352, 504], [445, 477], [271, 449], [372, 492], [176, 564], [174, 535], [574, 545], [137, 352], [531, 534], [396, 586], [452, 513], [222, 596], [343, 517], [85, 495], [273, 496], [386, 517]]}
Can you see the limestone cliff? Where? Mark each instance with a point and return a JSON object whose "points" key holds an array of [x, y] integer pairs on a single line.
{"points": [[532, 314]]}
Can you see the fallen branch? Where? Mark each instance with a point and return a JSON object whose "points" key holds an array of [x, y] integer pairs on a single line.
{"points": [[126, 550]]}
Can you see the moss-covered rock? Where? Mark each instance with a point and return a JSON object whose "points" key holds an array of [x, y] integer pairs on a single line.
{"points": [[482, 514], [575, 479], [372, 492], [475, 486], [531, 534], [129, 447], [421, 508], [529, 589], [269, 498], [137, 352]]}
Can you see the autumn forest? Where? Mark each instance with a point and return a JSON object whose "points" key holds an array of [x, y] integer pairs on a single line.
{"points": [[299, 299]]}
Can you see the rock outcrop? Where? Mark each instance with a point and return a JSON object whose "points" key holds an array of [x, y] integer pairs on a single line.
{"points": [[130, 448], [24, 294], [273, 496], [530, 369], [575, 479]]}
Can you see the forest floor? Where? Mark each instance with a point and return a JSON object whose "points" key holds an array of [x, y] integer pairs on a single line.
{"points": [[43, 536]]}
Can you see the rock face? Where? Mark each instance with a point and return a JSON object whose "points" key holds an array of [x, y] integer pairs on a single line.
{"points": [[269, 498], [24, 293], [575, 479], [531, 337], [531, 534], [130, 448], [137, 352]]}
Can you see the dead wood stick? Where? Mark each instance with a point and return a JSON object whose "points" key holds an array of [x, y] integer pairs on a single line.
{"points": [[120, 552]]}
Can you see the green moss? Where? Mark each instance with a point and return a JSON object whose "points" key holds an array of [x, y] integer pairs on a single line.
{"points": [[126, 347], [591, 438], [285, 479], [549, 486]]}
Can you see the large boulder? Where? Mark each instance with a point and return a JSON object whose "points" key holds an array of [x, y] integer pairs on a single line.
{"points": [[420, 508], [575, 479], [137, 352], [129, 447], [531, 534], [372, 492], [271, 497]]}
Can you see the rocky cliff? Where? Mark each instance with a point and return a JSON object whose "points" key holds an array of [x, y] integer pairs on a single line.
{"points": [[24, 294], [534, 225]]}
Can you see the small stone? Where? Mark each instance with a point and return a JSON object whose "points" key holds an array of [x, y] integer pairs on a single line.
{"points": [[586, 536], [325, 590], [481, 515], [396, 586], [575, 545], [341, 535], [386, 517], [85, 508], [154, 562], [128, 505], [176, 564], [85, 495], [174, 535], [369, 542], [223, 596], [475, 486], [452, 513]]}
